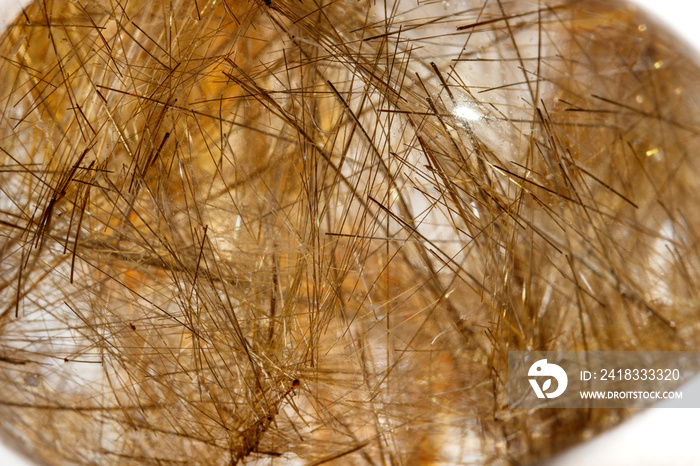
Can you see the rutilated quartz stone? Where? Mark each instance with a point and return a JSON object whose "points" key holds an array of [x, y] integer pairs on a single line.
{"points": [[304, 232]]}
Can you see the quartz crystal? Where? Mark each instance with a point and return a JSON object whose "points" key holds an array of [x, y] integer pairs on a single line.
{"points": [[309, 231]]}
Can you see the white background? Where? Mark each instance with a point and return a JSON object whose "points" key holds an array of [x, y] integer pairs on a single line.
{"points": [[654, 437]]}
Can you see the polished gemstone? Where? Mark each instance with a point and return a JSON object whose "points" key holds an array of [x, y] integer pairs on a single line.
{"points": [[304, 232]]}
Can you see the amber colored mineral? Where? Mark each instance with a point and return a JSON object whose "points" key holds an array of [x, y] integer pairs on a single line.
{"points": [[309, 231]]}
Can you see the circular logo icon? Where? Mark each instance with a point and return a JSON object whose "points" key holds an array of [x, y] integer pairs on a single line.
{"points": [[541, 369]]}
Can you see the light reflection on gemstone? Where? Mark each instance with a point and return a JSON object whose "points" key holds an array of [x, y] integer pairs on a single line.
{"points": [[467, 112]]}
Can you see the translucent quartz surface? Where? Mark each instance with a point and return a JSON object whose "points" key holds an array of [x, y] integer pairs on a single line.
{"points": [[301, 233]]}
